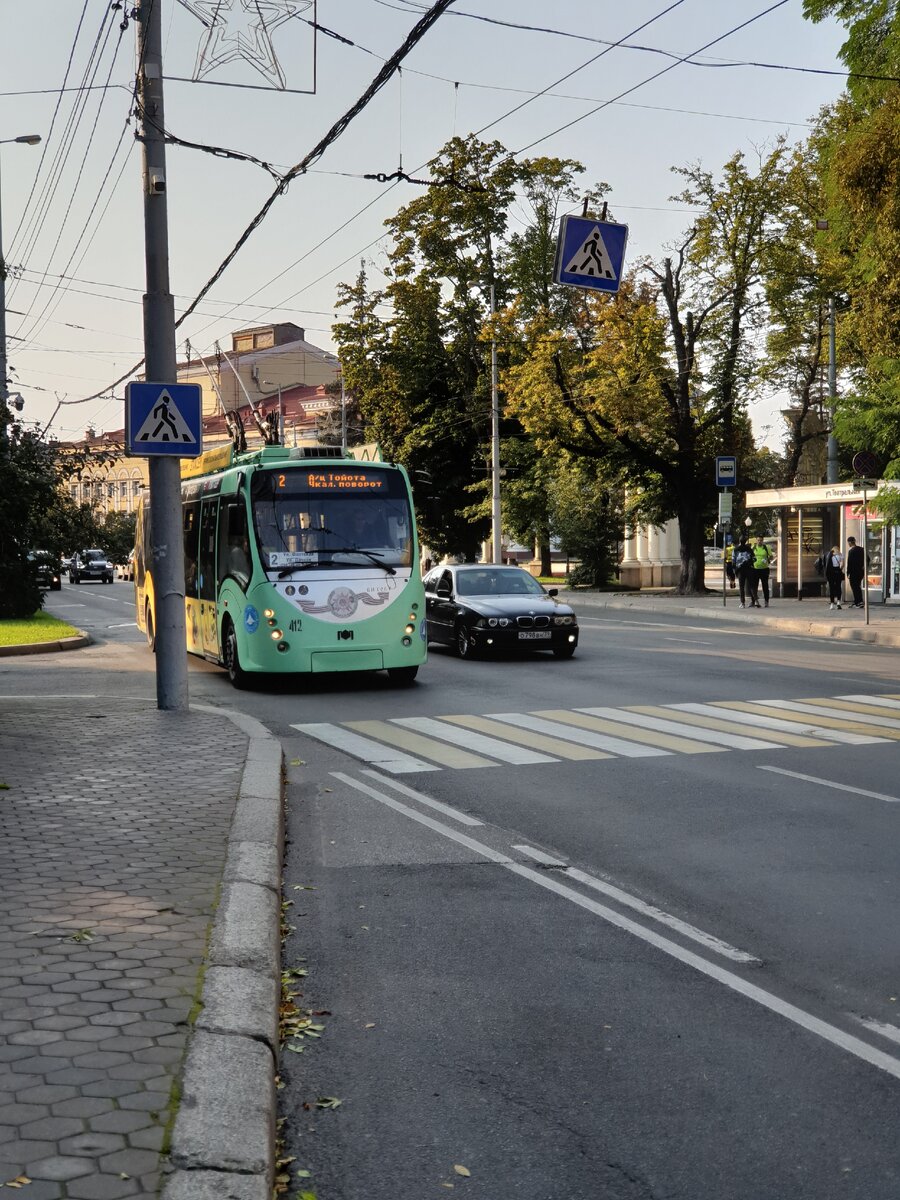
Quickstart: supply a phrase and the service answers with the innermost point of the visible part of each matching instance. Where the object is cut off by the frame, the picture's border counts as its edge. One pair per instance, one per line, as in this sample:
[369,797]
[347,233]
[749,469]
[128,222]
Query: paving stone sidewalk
[113,834]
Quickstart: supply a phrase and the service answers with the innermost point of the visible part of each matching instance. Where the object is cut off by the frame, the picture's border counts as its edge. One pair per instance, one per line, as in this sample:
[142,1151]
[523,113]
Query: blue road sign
[590,254]
[726,471]
[163,418]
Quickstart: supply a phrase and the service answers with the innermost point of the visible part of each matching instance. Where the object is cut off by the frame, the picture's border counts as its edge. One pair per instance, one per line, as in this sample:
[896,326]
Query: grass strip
[39,628]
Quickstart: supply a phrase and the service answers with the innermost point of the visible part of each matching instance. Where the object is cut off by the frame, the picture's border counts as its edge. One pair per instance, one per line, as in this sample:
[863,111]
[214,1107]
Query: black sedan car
[481,608]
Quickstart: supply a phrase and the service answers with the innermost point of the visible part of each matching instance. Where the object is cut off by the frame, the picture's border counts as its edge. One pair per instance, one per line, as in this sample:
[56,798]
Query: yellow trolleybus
[294,564]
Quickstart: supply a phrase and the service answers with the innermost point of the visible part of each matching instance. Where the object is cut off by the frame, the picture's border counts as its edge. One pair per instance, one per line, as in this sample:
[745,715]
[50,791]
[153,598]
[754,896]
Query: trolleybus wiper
[372,555]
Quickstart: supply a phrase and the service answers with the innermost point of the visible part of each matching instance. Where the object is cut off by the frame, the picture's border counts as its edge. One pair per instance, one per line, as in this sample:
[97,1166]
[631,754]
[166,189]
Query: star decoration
[241,30]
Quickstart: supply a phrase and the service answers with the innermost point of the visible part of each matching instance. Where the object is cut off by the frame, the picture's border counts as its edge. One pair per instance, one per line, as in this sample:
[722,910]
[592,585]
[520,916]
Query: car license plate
[534,634]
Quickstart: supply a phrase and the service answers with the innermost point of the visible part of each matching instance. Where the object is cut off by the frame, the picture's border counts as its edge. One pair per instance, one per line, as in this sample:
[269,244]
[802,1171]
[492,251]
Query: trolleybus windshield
[345,517]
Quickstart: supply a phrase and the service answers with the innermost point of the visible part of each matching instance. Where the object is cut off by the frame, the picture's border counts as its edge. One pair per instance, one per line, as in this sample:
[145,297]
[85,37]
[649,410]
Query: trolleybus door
[209,631]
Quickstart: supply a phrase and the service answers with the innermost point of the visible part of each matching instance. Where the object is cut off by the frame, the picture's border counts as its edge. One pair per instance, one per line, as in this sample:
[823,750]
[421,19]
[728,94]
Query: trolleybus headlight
[276,635]
[407,641]
[269,612]
[412,615]
[410,629]
[414,606]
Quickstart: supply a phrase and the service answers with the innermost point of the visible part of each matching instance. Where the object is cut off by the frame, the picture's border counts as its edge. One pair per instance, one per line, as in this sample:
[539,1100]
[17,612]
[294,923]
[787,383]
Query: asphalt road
[625,953]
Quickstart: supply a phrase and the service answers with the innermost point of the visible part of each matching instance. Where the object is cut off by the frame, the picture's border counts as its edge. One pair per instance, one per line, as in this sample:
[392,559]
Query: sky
[72,207]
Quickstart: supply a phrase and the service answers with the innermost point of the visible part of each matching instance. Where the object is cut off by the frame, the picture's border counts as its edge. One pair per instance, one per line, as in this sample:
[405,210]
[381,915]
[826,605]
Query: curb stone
[71,643]
[809,627]
[223,1139]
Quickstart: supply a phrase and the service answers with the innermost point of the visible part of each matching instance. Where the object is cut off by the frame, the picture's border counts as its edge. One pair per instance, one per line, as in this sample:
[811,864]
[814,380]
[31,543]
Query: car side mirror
[552,591]
[444,592]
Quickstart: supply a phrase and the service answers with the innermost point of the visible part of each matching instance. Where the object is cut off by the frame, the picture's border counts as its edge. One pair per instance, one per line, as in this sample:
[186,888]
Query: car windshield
[95,555]
[349,516]
[511,581]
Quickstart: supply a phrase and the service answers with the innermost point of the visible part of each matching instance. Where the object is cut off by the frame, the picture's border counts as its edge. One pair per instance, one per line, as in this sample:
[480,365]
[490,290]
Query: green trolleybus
[294,564]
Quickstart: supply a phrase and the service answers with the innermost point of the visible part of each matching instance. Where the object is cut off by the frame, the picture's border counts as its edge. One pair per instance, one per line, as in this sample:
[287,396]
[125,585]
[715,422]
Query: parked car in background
[49,574]
[125,570]
[91,565]
[483,608]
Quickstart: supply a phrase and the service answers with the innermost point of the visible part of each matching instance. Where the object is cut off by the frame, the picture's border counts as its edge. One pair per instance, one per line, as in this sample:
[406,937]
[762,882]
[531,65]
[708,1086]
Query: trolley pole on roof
[159,353]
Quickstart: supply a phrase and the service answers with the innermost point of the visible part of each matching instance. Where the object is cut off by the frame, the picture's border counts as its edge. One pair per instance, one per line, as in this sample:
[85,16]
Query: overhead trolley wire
[650,78]
[387,71]
[65,146]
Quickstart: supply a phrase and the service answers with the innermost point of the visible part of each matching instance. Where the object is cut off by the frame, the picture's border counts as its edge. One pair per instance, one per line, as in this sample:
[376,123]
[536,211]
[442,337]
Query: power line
[665,70]
[390,67]
[64,148]
[563,78]
[688,61]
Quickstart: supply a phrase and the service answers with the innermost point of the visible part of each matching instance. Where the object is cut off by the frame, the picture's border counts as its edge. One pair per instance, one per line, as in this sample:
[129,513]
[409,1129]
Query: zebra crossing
[407,745]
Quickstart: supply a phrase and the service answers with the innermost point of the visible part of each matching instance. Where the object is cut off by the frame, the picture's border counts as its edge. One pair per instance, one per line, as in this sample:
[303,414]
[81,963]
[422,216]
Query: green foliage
[28,482]
[116,535]
[587,521]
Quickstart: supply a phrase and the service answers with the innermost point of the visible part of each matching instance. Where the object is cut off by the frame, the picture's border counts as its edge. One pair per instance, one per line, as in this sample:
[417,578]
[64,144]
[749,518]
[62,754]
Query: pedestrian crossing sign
[590,254]
[163,418]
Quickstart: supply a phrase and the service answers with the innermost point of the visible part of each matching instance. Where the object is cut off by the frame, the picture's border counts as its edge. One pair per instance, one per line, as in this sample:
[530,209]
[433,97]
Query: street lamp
[29,139]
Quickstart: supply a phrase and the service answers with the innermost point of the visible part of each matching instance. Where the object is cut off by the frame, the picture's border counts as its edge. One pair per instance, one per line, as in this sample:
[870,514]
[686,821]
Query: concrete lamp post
[28,139]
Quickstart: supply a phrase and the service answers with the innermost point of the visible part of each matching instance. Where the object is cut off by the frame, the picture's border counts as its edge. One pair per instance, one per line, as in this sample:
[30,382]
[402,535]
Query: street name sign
[590,254]
[163,418]
[726,471]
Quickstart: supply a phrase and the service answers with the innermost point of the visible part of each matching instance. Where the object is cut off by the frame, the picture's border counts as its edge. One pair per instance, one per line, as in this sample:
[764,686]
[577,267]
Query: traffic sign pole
[166,543]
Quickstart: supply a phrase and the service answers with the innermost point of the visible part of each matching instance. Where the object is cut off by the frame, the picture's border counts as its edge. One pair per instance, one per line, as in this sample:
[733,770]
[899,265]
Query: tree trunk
[690,529]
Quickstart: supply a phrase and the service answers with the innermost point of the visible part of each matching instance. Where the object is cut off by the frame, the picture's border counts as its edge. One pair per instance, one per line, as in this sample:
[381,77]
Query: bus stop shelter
[818,516]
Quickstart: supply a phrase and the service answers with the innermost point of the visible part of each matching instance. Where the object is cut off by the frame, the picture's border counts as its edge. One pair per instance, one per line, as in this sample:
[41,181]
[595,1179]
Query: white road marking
[454,814]
[582,737]
[850,714]
[69,606]
[888,1031]
[360,747]
[126,625]
[470,740]
[55,696]
[878,701]
[797,1016]
[764,721]
[841,787]
[649,721]
[648,910]
[834,718]
[690,641]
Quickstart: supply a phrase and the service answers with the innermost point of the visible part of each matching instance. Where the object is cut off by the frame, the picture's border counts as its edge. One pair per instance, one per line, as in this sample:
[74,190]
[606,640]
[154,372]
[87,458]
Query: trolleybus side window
[191,528]
[207,559]
[234,544]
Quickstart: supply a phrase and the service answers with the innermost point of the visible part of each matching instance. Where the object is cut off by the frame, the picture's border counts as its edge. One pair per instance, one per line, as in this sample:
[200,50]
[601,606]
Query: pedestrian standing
[834,573]
[856,569]
[743,559]
[762,560]
[729,563]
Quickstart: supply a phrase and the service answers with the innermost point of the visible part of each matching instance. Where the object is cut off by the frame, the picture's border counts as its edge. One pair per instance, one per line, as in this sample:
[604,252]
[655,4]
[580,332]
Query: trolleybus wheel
[402,676]
[236,672]
[151,632]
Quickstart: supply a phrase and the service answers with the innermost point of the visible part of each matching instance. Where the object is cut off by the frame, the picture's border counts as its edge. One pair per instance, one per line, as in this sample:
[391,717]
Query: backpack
[741,558]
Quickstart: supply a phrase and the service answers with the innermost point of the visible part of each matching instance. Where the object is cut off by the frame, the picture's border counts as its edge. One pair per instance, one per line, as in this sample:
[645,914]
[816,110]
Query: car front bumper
[511,638]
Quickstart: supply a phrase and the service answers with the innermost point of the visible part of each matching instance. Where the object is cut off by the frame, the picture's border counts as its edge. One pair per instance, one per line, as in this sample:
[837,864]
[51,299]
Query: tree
[657,382]
[586,519]
[28,486]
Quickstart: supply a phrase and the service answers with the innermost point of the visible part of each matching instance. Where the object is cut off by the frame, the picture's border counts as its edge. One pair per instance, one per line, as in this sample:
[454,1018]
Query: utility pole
[495,445]
[832,465]
[159,354]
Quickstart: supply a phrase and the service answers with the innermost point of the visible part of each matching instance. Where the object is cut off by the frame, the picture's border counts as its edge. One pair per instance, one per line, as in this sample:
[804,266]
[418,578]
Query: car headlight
[492,622]
[563,620]
[503,621]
